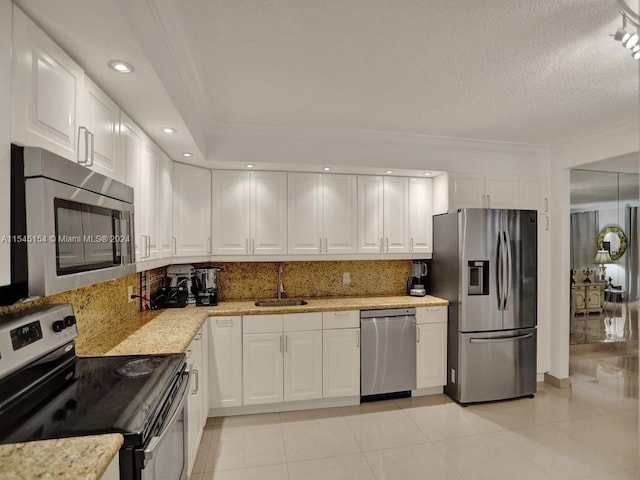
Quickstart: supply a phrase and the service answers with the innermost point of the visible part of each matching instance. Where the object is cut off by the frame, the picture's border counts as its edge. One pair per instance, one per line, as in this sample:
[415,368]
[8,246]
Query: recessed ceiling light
[326,169]
[427,173]
[120,66]
[168,130]
[249,165]
[187,154]
[389,171]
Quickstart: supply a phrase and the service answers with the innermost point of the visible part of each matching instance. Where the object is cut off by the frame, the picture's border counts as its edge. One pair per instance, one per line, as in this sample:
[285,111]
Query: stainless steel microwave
[79,223]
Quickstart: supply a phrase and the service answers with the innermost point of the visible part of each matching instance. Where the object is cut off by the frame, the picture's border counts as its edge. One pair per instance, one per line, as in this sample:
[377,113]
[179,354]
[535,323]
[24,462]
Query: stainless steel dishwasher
[388,351]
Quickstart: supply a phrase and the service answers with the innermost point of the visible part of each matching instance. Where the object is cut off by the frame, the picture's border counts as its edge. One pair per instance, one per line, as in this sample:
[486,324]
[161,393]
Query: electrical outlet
[346,278]
[130,294]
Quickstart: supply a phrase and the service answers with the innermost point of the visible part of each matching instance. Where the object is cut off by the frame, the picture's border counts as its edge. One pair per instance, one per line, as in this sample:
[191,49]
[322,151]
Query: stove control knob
[69,320]
[58,326]
[59,415]
[71,404]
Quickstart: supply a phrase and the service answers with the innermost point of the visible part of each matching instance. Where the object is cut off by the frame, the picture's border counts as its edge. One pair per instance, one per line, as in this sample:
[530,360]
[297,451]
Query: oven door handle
[153,443]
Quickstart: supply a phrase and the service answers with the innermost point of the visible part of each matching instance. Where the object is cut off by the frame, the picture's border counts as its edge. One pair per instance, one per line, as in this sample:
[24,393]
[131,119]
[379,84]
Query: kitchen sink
[290,302]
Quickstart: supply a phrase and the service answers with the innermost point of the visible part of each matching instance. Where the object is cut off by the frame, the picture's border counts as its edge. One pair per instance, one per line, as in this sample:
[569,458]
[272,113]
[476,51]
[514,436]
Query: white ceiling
[524,71]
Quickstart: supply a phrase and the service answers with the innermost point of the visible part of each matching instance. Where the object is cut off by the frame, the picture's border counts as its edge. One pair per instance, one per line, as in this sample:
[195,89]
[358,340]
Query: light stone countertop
[77,458]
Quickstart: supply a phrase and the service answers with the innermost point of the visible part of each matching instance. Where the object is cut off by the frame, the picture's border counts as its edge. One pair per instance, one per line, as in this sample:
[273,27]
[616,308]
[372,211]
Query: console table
[587,298]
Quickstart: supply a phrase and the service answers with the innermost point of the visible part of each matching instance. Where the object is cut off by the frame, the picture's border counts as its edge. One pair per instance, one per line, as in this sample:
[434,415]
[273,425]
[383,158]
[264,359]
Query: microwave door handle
[117,230]
[149,450]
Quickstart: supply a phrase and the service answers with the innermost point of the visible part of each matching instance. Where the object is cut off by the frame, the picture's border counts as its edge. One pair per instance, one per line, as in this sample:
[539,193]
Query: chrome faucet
[280,286]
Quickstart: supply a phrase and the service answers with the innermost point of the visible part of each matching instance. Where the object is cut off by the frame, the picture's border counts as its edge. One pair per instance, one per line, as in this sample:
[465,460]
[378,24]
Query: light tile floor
[589,432]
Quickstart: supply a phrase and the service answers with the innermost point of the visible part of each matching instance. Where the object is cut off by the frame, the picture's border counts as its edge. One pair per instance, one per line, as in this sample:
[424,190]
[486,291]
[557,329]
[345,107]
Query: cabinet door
[225,362]
[231,193]
[466,190]
[47,92]
[268,213]
[579,298]
[340,213]
[103,120]
[166,206]
[262,367]
[420,215]
[341,362]
[305,213]
[130,140]
[501,191]
[396,215]
[302,365]
[191,210]
[534,194]
[431,355]
[370,214]
[149,199]
[194,400]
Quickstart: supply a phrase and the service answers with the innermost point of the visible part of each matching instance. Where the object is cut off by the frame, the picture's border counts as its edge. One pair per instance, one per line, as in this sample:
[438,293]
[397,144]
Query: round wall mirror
[613,240]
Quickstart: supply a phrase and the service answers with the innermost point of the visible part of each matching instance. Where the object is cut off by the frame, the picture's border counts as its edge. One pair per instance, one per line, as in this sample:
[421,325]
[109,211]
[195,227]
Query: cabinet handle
[286,343]
[174,246]
[381,245]
[546,205]
[341,314]
[411,244]
[80,129]
[209,245]
[418,334]
[326,245]
[91,137]
[198,336]
[281,342]
[547,223]
[197,376]
[358,339]
[488,201]
[224,322]
[189,352]
[246,245]
[148,246]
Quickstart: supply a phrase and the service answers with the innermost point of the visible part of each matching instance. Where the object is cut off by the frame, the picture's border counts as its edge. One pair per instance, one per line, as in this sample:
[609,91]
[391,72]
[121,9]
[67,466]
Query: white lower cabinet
[431,349]
[196,397]
[113,470]
[225,362]
[282,358]
[302,365]
[341,362]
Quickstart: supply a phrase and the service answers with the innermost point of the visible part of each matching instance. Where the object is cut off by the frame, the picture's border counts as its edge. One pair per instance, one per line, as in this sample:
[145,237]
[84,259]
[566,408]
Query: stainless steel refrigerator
[485,264]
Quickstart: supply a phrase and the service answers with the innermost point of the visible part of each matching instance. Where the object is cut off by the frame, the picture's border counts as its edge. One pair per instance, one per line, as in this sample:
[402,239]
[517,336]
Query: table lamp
[602,257]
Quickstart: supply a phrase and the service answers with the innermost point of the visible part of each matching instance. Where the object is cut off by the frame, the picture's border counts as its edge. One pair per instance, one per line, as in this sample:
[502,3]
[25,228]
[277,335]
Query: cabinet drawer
[262,323]
[431,315]
[298,322]
[343,319]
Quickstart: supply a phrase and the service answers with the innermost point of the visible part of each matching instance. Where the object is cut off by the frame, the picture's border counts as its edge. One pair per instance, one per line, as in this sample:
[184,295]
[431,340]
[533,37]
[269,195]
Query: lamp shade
[602,256]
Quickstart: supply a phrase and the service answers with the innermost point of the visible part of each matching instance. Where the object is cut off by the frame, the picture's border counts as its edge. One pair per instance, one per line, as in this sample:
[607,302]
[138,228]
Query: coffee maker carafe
[418,282]
[205,286]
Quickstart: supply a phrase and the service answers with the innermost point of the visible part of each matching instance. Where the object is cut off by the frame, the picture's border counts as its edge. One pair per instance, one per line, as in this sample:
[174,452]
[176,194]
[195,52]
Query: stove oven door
[165,455]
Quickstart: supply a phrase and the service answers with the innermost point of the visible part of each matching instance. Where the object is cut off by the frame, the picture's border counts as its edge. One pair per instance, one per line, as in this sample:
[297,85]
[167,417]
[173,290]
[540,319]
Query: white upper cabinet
[420,212]
[47,93]
[383,214]
[103,122]
[165,206]
[191,210]
[534,194]
[474,190]
[249,213]
[322,213]
[5,138]
[149,210]
[268,213]
[130,141]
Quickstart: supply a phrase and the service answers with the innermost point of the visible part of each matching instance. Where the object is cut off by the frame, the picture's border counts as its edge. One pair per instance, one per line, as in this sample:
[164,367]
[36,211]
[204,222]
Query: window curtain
[584,237]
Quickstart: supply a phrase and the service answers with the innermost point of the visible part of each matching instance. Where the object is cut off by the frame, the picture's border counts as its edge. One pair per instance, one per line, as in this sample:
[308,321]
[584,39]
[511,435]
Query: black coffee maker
[418,282]
[205,286]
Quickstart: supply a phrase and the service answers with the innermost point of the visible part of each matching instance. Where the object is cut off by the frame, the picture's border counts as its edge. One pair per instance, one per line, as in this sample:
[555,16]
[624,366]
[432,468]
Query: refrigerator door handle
[500,271]
[507,240]
[500,339]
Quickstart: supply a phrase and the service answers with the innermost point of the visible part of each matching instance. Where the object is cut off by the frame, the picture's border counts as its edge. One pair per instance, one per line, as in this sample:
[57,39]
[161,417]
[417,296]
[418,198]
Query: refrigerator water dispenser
[478,276]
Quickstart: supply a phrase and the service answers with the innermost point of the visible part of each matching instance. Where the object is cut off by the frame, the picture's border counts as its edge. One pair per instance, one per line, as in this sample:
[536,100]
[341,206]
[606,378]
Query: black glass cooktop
[91,395]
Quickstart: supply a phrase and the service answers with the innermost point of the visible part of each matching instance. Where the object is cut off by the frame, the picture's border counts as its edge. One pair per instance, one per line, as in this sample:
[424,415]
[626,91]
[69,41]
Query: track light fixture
[628,39]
